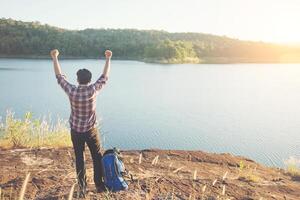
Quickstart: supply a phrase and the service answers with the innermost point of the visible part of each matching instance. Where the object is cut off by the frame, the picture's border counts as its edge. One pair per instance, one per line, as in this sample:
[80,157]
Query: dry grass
[293,167]
[29,132]
[248,174]
[183,184]
[250,178]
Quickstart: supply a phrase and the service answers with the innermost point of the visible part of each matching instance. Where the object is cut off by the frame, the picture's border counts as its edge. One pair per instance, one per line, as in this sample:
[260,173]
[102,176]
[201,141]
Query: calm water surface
[245,109]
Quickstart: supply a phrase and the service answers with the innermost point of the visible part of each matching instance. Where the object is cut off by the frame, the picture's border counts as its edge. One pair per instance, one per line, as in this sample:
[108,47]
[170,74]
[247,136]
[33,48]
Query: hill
[33,39]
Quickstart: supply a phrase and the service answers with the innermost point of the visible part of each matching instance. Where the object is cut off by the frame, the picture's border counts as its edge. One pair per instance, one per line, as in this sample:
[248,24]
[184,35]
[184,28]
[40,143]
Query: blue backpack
[113,171]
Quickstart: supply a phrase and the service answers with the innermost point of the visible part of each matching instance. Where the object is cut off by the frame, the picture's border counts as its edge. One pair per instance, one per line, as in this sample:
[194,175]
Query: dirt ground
[158,174]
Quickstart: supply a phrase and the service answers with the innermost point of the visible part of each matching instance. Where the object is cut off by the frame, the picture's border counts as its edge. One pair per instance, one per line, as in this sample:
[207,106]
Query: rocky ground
[158,174]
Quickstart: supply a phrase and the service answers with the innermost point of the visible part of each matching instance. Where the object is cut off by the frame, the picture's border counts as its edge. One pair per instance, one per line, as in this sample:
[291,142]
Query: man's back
[83,103]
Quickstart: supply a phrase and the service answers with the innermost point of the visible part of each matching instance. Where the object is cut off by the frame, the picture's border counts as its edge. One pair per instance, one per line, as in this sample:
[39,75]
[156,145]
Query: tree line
[27,39]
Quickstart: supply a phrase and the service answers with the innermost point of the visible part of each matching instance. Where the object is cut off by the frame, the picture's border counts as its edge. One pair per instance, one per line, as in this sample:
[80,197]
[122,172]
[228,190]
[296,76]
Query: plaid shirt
[83,102]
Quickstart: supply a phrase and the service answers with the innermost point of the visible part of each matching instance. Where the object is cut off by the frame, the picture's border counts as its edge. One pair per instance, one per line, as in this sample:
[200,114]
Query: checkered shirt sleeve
[100,83]
[65,85]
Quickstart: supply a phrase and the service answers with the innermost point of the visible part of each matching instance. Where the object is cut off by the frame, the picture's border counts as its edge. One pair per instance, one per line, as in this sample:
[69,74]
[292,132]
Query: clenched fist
[108,54]
[54,53]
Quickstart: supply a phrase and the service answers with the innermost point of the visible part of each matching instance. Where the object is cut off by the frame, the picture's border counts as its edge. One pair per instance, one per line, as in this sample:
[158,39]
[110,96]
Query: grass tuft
[30,132]
[293,167]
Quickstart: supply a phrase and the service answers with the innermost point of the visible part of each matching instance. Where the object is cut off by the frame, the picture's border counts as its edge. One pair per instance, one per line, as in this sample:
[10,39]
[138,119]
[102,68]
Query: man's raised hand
[108,54]
[106,69]
[54,53]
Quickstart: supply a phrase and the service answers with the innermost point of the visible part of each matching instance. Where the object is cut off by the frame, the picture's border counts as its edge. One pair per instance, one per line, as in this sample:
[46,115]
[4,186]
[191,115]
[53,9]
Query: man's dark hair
[84,76]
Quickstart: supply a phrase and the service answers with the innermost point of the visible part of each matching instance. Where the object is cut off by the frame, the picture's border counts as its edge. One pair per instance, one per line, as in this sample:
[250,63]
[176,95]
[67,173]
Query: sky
[259,20]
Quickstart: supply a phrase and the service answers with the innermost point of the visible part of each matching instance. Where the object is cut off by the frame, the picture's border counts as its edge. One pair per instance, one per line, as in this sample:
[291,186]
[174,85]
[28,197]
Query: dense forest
[32,39]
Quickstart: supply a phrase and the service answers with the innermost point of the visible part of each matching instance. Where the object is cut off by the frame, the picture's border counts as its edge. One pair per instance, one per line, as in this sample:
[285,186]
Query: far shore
[204,60]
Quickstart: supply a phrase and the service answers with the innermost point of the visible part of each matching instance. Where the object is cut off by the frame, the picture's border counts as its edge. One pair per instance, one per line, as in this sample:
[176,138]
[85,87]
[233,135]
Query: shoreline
[204,60]
[158,174]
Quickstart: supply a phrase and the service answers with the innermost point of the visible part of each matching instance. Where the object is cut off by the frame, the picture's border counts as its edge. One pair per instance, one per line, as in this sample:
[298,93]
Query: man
[83,118]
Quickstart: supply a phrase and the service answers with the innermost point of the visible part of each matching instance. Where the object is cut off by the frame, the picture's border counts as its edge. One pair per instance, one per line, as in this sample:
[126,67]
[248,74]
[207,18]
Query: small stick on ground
[140,158]
[141,170]
[21,197]
[176,170]
[195,175]
[214,182]
[223,191]
[155,160]
[170,165]
[203,188]
[71,192]
[10,192]
[225,175]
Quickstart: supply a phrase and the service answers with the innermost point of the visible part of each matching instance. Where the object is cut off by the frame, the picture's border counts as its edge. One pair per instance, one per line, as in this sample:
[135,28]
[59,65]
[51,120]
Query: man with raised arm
[83,118]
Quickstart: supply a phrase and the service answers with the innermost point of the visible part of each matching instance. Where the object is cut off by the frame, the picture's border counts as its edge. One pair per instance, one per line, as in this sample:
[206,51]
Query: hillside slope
[33,39]
[161,174]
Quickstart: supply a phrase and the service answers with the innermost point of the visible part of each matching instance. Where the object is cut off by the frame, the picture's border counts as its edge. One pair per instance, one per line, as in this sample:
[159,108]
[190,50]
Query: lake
[245,109]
